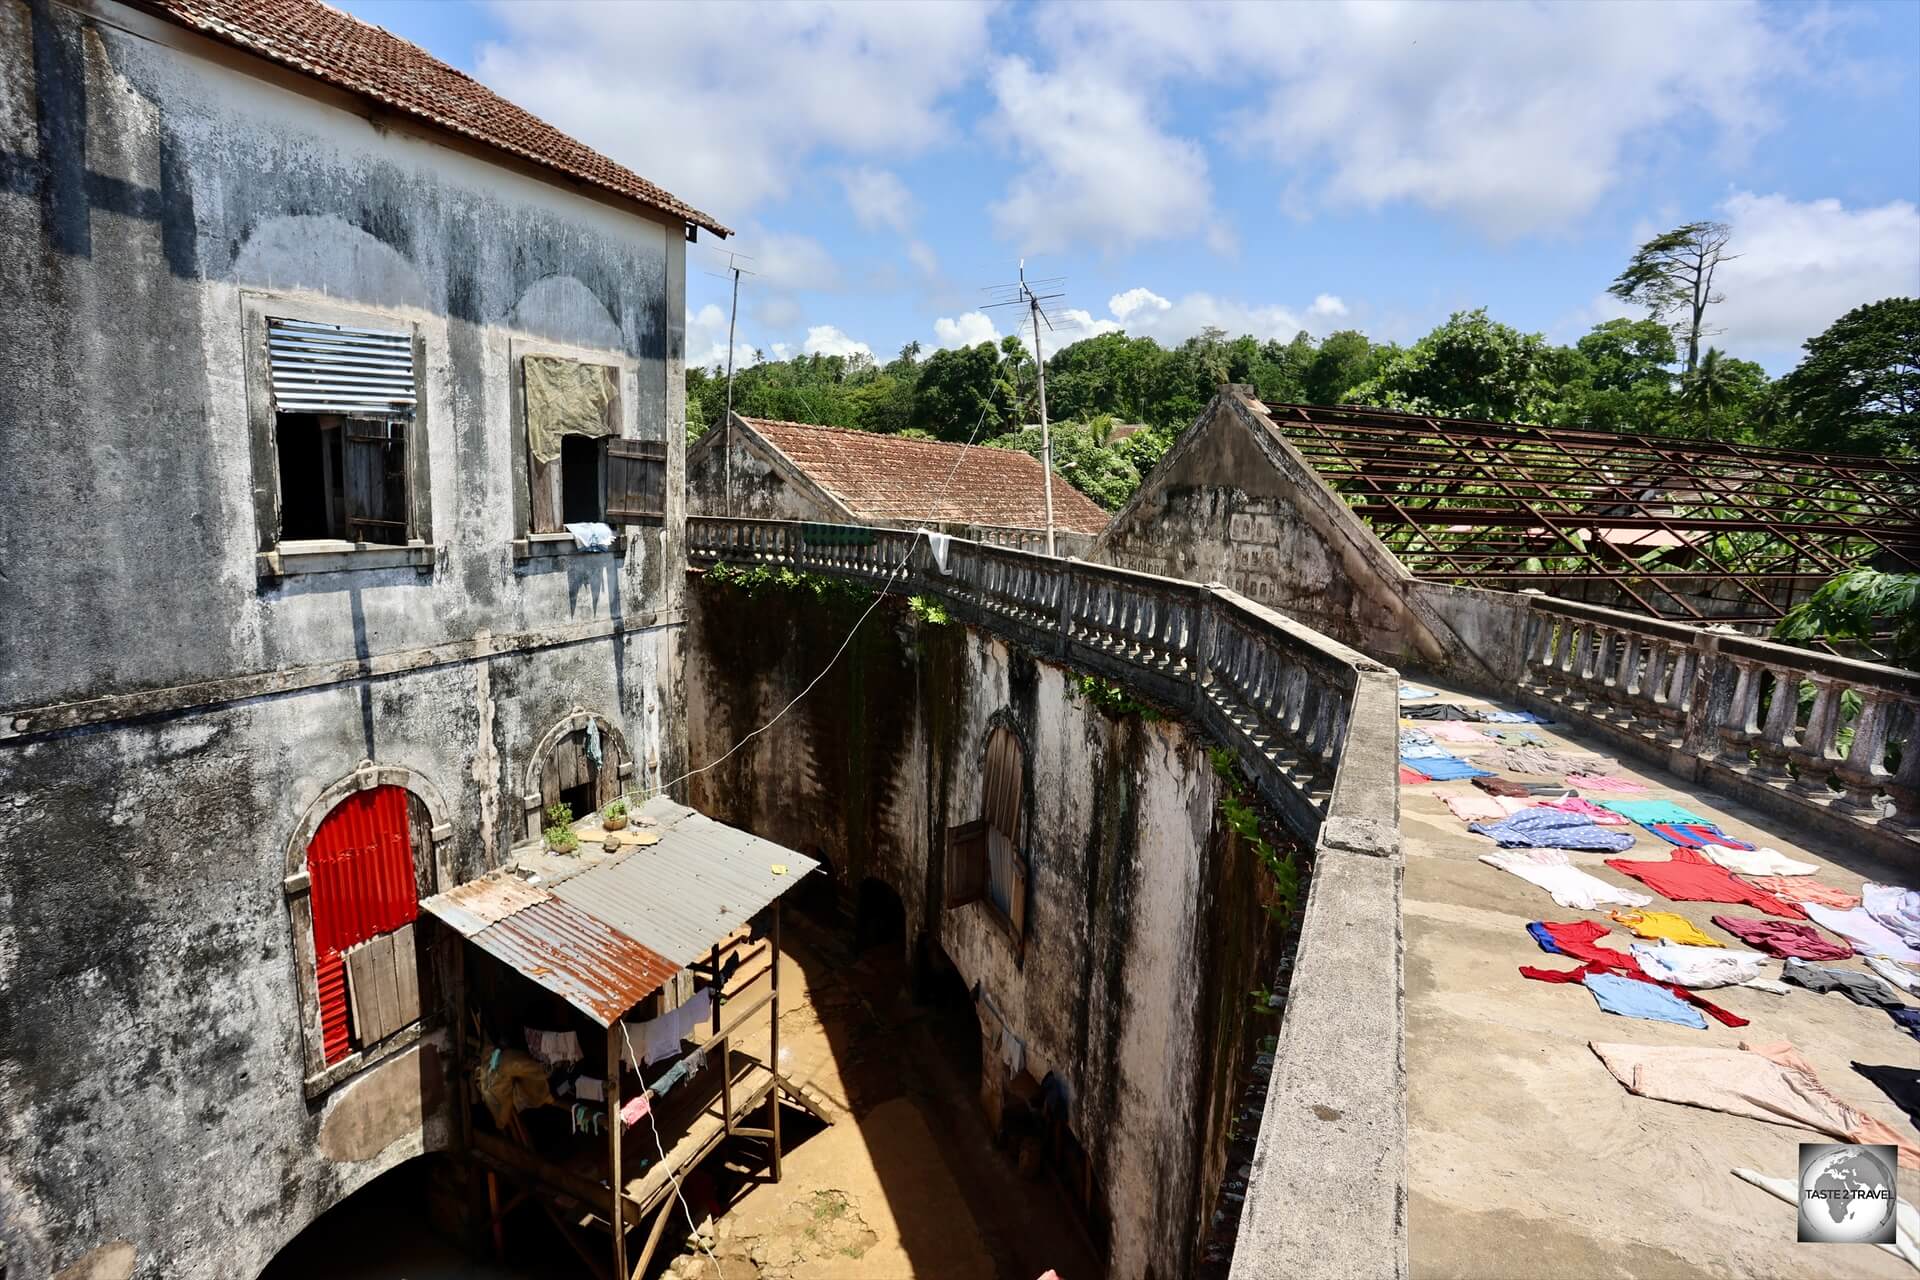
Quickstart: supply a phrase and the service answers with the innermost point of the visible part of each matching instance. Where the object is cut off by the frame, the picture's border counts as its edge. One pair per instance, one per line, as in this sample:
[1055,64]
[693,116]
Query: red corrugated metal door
[360,867]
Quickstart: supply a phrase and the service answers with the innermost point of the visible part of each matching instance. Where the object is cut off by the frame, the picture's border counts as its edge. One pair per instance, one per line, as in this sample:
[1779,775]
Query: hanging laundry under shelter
[606,933]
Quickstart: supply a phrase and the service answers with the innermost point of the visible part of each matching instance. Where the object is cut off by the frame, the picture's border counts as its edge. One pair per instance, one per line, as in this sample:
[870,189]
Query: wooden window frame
[275,557]
[528,545]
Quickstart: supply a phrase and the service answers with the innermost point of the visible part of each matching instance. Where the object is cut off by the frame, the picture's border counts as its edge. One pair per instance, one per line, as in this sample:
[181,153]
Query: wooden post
[618,1217]
[773,1046]
[463,1078]
[715,989]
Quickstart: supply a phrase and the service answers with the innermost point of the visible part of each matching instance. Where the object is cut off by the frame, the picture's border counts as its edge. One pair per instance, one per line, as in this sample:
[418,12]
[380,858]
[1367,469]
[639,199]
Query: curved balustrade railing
[1818,730]
[1282,696]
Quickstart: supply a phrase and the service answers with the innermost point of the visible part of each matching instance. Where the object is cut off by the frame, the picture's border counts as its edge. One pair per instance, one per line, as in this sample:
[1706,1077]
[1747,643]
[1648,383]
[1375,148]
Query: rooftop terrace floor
[1525,1157]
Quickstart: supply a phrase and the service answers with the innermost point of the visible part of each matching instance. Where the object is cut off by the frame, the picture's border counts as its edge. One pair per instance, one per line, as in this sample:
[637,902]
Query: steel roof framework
[1506,505]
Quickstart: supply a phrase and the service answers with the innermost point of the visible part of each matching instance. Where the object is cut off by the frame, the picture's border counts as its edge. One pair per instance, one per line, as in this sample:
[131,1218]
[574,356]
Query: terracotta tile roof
[883,477]
[321,41]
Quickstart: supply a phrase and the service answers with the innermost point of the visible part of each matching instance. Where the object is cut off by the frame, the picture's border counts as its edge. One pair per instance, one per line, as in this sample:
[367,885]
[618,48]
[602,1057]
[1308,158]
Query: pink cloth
[1454,731]
[1587,808]
[1764,1081]
[1476,807]
[635,1111]
[1594,782]
[1801,889]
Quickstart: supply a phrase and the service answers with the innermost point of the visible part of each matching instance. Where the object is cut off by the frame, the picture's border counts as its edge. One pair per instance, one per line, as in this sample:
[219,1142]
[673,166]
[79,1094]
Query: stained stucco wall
[1145,929]
[1233,503]
[150,1044]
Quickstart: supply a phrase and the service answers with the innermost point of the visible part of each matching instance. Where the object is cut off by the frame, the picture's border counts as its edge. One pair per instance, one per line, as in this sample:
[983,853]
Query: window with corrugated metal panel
[344,401]
[364,887]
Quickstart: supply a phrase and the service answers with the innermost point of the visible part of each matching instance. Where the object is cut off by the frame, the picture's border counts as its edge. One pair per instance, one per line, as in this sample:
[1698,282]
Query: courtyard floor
[1525,1157]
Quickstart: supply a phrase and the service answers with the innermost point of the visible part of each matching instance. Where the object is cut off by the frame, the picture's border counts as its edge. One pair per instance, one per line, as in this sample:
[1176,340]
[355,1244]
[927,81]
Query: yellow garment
[567,398]
[1664,924]
[509,1082]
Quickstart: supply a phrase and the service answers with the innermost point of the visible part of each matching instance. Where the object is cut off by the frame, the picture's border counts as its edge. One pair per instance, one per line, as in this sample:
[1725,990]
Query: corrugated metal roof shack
[598,1007]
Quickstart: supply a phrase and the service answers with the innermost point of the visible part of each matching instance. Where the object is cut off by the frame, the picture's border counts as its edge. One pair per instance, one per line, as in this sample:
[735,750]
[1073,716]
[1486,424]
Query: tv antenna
[733,314]
[1027,293]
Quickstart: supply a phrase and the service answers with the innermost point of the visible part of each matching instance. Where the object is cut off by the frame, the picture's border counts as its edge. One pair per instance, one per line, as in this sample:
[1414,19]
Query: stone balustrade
[1804,733]
[1281,695]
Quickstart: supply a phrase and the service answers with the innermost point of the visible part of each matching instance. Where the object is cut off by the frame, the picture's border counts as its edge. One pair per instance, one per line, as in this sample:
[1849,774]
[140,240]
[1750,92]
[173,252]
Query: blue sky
[1261,168]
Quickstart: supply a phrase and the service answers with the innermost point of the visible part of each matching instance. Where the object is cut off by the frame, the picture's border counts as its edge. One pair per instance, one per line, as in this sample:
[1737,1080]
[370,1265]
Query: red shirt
[1688,877]
[1579,939]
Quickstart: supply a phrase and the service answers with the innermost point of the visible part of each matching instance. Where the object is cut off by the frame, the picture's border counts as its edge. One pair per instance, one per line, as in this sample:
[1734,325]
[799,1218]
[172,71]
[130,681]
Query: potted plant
[559,833]
[614,816]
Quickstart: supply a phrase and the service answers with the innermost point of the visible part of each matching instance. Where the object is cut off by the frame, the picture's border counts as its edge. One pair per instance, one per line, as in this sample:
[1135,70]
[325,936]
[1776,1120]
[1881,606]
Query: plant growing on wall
[761,577]
[1237,807]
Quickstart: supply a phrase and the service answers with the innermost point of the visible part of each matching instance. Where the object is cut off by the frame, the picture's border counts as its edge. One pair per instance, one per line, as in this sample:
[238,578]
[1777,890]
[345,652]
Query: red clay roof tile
[883,477]
[321,41]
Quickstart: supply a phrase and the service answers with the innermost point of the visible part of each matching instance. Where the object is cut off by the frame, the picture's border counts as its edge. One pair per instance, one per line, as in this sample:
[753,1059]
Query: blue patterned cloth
[1513,717]
[1553,829]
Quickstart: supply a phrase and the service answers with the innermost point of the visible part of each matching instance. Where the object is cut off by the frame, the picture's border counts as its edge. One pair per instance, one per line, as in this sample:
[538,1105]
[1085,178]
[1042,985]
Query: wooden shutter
[1017,899]
[383,985]
[966,864]
[375,481]
[636,481]
[1005,778]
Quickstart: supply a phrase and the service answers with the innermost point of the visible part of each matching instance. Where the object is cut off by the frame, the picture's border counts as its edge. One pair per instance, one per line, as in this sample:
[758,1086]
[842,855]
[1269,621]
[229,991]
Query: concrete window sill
[328,555]
[559,546]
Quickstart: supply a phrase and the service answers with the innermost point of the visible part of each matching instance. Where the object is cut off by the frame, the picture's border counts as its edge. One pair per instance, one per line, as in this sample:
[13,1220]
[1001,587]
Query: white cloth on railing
[591,535]
[939,544]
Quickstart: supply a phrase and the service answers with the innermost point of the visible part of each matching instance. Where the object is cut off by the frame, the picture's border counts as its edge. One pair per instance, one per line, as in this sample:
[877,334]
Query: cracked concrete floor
[1525,1157]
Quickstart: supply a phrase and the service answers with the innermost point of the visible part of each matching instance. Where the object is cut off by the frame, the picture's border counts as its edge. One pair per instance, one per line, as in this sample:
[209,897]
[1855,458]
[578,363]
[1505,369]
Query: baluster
[1863,771]
[1776,735]
[1812,752]
[1742,724]
[1903,788]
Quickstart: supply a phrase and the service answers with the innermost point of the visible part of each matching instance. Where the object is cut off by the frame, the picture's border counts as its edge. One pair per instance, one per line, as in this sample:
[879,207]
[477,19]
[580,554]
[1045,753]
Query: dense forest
[1857,388]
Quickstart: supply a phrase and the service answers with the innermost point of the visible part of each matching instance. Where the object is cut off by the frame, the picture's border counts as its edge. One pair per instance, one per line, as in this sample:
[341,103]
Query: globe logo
[1847,1193]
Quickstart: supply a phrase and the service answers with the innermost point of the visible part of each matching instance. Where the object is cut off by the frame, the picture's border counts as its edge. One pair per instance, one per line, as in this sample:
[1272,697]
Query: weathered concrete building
[765,469]
[281,558]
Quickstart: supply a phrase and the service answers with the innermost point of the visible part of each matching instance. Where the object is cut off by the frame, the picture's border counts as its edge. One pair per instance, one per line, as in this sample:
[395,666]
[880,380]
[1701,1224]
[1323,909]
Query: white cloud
[1136,301]
[967,330]
[1517,118]
[1804,264]
[785,260]
[707,340]
[1098,170]
[827,340]
[724,104]
[878,199]
[1327,305]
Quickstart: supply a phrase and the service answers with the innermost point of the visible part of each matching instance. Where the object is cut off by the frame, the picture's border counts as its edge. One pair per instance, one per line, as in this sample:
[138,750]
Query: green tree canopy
[1858,387]
[1469,367]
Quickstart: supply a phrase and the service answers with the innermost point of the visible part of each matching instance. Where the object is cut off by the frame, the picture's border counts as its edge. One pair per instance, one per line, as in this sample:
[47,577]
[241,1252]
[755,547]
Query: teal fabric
[1645,811]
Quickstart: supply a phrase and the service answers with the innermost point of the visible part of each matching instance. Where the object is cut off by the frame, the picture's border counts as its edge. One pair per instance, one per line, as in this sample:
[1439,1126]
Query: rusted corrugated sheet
[607,937]
[473,906]
[587,962]
[681,896]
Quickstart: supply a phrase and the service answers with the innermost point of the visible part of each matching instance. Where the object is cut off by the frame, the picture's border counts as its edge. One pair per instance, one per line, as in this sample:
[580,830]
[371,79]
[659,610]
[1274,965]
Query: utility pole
[1046,432]
[1023,294]
[733,314]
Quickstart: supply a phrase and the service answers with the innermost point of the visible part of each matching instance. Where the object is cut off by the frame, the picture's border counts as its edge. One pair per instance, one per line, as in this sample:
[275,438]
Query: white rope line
[880,595]
[692,1226]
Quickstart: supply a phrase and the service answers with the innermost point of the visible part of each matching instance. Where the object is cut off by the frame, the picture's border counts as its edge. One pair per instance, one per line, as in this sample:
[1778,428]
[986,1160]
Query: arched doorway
[581,762]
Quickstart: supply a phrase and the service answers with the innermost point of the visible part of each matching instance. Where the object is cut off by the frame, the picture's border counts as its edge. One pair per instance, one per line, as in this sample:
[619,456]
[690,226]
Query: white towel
[938,543]
[588,1089]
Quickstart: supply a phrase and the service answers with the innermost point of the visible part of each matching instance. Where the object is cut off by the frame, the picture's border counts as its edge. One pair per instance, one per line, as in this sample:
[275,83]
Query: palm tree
[1706,388]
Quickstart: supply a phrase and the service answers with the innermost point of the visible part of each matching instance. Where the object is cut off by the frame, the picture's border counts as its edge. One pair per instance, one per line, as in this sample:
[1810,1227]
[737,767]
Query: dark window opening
[583,489]
[342,477]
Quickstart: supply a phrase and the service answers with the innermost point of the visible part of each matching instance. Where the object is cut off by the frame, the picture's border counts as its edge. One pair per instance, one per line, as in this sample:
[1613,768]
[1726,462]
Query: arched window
[986,859]
[365,895]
